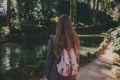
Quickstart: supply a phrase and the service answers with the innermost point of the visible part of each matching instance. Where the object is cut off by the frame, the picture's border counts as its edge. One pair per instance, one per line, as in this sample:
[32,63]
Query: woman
[65,37]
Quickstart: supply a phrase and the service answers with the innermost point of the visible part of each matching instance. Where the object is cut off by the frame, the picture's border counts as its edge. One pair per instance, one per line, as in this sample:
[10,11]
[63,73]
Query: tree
[93,6]
[63,7]
[101,6]
[8,13]
[73,9]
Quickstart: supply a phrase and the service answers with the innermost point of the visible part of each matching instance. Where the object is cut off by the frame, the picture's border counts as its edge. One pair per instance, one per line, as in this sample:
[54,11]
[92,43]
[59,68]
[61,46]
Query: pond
[32,52]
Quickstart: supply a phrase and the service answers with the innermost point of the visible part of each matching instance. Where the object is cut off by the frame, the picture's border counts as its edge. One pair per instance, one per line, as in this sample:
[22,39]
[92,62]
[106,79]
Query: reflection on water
[20,54]
[89,44]
[84,50]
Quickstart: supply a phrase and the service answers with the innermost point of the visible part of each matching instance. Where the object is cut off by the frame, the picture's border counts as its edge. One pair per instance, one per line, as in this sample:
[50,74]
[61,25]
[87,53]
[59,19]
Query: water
[89,44]
[20,54]
[23,53]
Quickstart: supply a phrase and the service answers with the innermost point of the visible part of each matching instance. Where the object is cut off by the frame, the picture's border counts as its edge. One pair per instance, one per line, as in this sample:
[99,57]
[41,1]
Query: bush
[116,49]
[119,19]
[103,18]
[116,43]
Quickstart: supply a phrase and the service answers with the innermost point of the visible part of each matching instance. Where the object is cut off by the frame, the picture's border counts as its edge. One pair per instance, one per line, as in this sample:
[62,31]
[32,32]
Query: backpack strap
[70,55]
[67,60]
[74,61]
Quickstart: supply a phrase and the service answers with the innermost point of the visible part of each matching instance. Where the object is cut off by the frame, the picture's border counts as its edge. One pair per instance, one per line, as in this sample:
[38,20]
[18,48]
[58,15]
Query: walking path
[100,68]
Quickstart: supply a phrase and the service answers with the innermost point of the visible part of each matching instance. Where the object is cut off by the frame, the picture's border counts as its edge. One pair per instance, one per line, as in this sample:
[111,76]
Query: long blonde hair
[65,36]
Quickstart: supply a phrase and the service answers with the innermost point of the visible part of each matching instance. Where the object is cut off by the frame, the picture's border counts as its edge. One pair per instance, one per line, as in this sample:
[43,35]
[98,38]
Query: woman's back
[65,38]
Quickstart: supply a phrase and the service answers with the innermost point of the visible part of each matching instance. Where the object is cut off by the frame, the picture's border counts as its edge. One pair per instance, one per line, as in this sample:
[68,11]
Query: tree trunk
[97,7]
[19,10]
[8,12]
[89,4]
[43,12]
[27,12]
[73,10]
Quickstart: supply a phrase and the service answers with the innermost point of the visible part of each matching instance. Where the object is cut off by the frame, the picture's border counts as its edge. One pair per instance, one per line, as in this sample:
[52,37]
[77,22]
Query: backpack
[68,65]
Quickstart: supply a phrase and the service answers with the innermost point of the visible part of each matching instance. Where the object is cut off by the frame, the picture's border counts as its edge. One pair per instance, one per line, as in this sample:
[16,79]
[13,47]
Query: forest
[25,27]
[27,17]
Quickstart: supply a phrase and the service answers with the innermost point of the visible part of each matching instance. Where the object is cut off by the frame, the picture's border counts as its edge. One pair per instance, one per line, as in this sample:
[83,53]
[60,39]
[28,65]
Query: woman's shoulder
[51,37]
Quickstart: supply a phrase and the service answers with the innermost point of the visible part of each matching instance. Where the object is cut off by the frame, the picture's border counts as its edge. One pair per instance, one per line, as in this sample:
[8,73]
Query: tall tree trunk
[19,8]
[20,11]
[97,6]
[43,12]
[8,12]
[94,4]
[27,12]
[89,4]
[93,13]
[73,9]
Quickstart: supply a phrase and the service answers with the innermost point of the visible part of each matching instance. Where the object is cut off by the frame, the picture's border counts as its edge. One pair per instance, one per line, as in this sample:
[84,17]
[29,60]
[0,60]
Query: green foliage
[31,14]
[118,73]
[119,19]
[103,18]
[116,65]
[1,1]
[116,43]
[63,6]
[83,14]
[105,35]
[116,49]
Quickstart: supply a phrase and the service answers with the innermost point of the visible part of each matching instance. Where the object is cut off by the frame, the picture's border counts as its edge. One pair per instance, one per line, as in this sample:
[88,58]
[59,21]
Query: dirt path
[100,68]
